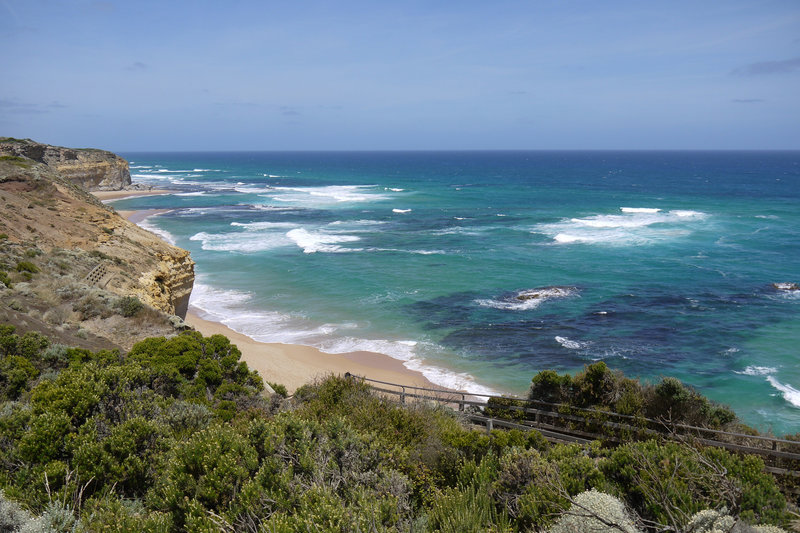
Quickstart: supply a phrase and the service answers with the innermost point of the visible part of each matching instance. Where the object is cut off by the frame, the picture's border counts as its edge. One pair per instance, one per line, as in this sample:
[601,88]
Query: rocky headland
[92,169]
[72,265]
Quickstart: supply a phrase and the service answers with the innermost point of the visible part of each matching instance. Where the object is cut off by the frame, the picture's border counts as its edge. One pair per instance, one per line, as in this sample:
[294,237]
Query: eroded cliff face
[94,170]
[86,255]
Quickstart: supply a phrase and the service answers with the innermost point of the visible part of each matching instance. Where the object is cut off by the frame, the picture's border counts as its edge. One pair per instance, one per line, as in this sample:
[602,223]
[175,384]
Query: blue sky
[371,75]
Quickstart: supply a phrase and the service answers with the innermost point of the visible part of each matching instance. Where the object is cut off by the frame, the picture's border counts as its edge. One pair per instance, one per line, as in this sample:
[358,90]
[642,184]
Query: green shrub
[16,160]
[279,389]
[207,469]
[129,306]
[15,374]
[674,401]
[548,386]
[667,483]
[123,515]
[4,279]
[27,266]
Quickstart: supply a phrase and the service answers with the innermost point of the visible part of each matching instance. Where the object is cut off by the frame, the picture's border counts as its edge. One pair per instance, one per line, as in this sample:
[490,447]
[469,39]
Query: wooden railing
[560,423]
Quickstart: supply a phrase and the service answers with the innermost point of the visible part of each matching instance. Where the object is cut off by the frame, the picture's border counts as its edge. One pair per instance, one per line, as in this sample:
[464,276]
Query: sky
[404,75]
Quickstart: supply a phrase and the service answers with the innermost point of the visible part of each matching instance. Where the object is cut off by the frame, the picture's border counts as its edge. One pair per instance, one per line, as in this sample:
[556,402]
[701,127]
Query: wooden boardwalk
[559,423]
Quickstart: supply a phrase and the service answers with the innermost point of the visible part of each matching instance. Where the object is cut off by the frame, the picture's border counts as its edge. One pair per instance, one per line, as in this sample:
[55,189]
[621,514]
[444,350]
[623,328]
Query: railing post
[461,403]
[489,426]
[403,396]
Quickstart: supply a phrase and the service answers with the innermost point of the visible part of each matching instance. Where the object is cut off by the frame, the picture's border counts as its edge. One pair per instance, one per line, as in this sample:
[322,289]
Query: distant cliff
[87,258]
[94,170]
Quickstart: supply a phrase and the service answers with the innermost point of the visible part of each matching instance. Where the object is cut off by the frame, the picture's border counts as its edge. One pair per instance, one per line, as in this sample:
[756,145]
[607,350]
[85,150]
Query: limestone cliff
[94,170]
[87,256]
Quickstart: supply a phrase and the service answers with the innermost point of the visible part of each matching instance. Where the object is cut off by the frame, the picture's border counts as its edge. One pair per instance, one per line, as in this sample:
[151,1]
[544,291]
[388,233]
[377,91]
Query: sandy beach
[288,364]
[105,196]
[293,365]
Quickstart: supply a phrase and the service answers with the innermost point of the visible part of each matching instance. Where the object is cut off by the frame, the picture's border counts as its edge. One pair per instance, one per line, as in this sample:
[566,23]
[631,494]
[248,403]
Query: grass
[16,160]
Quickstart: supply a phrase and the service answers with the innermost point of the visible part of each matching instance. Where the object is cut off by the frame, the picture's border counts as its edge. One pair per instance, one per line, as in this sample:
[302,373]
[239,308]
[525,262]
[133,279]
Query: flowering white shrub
[12,516]
[595,512]
[711,521]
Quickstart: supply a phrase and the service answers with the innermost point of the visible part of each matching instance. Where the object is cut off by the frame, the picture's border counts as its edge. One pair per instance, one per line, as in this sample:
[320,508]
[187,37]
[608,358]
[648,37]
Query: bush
[207,469]
[674,401]
[667,483]
[548,386]
[12,516]
[129,306]
[597,512]
[27,266]
[4,279]
[279,389]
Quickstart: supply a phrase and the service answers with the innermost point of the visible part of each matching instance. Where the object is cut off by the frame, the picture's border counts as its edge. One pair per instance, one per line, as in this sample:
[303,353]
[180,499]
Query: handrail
[773,452]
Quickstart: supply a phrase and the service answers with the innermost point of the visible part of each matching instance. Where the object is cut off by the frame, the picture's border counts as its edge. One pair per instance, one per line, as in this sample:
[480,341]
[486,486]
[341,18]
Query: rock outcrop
[89,259]
[94,170]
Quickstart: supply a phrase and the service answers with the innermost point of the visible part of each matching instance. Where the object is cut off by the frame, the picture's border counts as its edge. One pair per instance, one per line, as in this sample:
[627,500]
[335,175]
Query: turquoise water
[659,263]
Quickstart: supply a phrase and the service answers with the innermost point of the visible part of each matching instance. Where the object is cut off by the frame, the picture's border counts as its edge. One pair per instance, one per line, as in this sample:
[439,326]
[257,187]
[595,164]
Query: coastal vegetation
[177,435]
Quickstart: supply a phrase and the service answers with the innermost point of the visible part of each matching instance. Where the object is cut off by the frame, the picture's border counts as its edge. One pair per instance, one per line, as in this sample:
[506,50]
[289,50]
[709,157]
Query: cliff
[88,258]
[94,170]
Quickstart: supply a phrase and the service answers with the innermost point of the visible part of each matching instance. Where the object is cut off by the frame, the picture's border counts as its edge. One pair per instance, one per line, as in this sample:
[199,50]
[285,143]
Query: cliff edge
[92,169]
[73,262]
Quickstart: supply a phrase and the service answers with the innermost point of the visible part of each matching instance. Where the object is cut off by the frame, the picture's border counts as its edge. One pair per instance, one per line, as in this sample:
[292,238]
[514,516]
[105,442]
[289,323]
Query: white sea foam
[244,241]
[639,209]
[149,176]
[401,210]
[218,302]
[528,299]
[790,394]
[393,189]
[754,370]
[148,224]
[636,225]
[569,343]
[252,190]
[460,230]
[312,242]
[326,196]
[267,207]
[259,226]
[197,193]
[687,214]
[358,223]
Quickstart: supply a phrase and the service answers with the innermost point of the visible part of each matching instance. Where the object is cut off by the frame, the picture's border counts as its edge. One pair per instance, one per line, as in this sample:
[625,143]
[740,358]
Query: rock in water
[545,292]
[788,286]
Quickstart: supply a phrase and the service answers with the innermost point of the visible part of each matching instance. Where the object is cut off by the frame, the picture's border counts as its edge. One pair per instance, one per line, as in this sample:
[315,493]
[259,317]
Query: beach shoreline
[291,365]
[107,196]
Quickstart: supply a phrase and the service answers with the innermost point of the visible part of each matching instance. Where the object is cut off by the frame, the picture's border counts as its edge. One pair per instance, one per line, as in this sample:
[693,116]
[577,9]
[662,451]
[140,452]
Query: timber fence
[562,423]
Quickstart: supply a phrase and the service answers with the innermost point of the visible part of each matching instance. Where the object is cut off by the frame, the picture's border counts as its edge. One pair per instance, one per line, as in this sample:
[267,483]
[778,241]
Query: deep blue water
[659,263]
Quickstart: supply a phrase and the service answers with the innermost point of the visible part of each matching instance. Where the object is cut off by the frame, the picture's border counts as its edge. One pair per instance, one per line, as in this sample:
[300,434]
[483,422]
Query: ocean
[481,269]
